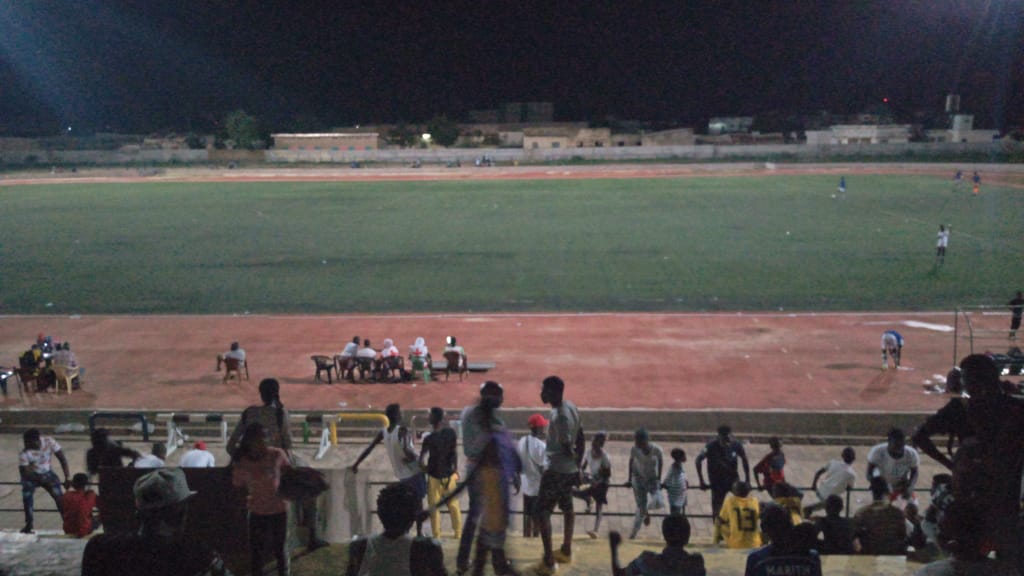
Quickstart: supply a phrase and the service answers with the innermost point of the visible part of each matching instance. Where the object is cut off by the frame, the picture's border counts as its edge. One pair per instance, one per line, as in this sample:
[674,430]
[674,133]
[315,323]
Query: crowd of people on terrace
[972,521]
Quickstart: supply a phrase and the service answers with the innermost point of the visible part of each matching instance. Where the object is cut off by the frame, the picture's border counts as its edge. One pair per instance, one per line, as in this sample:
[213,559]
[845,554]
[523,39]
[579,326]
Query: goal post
[982,328]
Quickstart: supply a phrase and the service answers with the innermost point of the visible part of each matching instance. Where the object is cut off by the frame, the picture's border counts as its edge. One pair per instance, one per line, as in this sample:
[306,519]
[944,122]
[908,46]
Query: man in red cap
[531,453]
[197,457]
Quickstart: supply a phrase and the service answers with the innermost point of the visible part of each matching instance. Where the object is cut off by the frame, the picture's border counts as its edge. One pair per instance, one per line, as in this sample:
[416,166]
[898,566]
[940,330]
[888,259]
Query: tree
[244,130]
[443,131]
[402,135]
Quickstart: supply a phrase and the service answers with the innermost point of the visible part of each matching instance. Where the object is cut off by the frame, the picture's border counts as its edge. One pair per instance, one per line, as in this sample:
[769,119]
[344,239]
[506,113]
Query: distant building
[842,134]
[729,124]
[675,137]
[331,141]
[962,131]
[566,137]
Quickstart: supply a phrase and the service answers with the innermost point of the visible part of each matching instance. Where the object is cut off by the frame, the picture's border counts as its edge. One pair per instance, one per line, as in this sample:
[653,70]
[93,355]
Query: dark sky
[147,65]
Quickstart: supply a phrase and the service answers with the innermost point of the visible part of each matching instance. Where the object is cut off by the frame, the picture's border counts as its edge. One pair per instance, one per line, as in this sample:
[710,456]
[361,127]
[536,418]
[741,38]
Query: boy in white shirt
[531,450]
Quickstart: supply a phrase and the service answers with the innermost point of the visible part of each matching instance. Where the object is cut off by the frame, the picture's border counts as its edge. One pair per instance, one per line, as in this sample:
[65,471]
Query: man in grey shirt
[564,452]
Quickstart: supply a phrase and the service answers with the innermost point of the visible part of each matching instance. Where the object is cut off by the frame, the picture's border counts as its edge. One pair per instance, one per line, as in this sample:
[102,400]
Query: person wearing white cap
[161,546]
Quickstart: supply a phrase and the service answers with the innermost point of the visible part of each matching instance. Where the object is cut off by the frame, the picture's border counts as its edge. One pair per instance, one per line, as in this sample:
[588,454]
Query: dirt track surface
[1004,174]
[817,362]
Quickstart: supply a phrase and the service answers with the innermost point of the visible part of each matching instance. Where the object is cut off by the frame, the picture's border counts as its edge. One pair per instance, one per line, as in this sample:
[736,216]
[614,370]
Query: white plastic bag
[655,500]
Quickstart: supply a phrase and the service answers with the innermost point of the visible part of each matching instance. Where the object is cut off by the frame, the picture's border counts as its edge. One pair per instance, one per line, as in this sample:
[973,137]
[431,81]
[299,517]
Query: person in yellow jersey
[739,518]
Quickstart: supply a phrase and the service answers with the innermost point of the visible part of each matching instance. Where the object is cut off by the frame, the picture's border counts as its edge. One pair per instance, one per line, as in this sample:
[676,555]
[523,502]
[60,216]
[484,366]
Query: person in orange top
[79,504]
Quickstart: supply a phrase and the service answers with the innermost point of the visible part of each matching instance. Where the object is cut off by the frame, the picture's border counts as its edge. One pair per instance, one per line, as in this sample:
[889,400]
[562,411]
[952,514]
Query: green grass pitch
[687,244]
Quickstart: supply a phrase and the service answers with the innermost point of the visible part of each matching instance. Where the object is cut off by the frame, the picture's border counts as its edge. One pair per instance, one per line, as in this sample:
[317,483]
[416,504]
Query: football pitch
[715,243]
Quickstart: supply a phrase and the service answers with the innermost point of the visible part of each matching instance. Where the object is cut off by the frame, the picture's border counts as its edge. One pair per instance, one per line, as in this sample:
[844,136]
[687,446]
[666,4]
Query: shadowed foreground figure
[674,559]
[160,547]
[394,552]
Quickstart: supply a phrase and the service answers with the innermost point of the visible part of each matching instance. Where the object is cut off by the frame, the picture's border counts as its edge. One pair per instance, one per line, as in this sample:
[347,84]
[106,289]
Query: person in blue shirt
[892,346]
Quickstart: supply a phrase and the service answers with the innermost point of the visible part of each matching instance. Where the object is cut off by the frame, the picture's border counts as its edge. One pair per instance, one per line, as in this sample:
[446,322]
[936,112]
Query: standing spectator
[836,531]
[394,552]
[565,449]
[105,453]
[258,466]
[771,467]
[597,474]
[739,518]
[236,353]
[440,459]
[839,476]
[482,426]
[160,547]
[399,445]
[675,483]
[34,467]
[896,463]
[1016,310]
[157,458]
[879,527]
[79,505]
[723,455]
[531,449]
[942,241]
[198,457]
[645,466]
[274,418]
[674,559]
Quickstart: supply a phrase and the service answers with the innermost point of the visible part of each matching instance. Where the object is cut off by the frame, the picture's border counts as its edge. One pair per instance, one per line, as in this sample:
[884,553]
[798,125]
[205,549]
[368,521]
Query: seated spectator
[79,505]
[367,358]
[941,498]
[160,547]
[880,527]
[106,453]
[785,495]
[394,551]
[348,359]
[452,346]
[391,364]
[836,530]
[739,518]
[155,459]
[674,559]
[66,359]
[198,457]
[31,361]
[915,532]
[419,352]
[236,353]
[791,550]
[963,529]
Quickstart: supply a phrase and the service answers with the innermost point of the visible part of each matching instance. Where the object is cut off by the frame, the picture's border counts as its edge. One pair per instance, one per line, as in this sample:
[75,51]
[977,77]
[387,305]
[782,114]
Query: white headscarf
[419,348]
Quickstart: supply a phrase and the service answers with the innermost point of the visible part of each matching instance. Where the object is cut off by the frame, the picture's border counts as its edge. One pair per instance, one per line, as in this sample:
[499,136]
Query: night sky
[151,65]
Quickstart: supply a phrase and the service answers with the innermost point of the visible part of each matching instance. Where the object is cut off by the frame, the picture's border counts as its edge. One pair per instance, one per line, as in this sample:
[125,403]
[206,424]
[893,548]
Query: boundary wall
[779,152]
